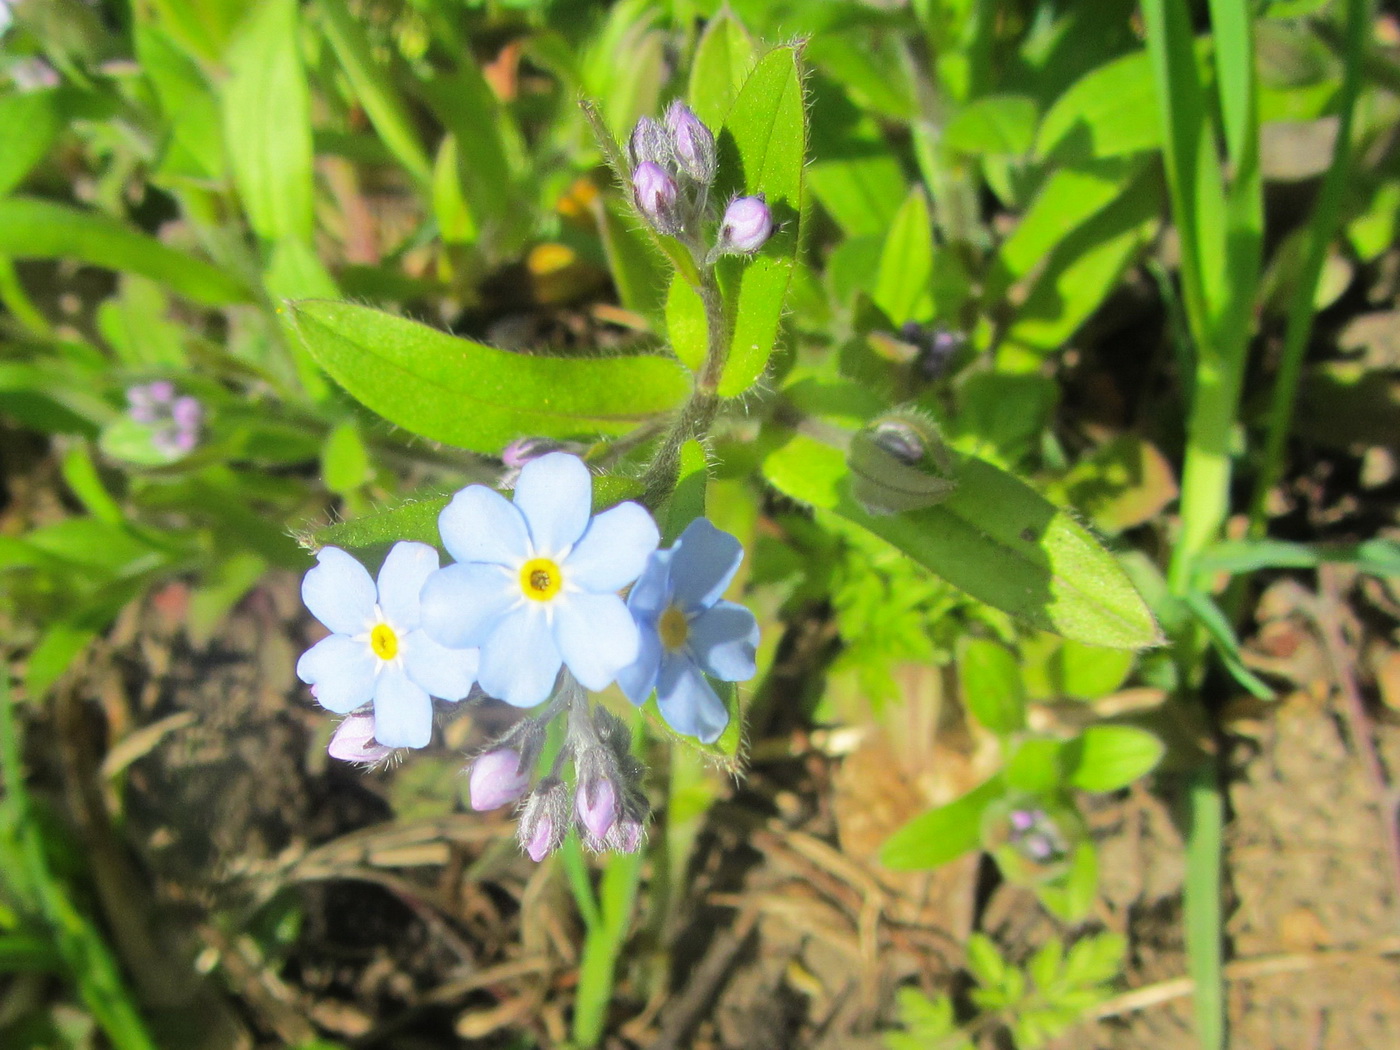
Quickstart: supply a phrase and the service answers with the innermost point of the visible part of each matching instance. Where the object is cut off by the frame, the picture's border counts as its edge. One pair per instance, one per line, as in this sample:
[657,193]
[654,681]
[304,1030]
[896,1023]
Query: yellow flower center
[384,641]
[540,579]
[673,627]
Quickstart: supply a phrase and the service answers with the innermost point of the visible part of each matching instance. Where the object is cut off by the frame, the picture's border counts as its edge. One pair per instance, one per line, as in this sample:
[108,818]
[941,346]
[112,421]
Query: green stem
[1301,308]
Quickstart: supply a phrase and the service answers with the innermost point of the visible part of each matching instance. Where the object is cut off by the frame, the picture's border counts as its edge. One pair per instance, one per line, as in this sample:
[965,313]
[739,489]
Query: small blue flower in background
[688,632]
[536,581]
[376,651]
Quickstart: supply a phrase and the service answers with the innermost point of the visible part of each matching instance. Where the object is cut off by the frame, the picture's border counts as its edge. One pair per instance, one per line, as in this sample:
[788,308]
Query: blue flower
[376,651]
[536,581]
[688,632]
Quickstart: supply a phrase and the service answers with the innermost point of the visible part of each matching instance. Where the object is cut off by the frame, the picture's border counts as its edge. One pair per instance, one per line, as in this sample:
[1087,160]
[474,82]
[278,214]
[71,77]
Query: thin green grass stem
[1301,308]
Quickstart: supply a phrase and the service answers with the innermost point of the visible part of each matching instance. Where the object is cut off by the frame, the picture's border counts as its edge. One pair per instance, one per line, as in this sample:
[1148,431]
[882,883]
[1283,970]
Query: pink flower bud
[496,779]
[353,741]
[541,842]
[693,142]
[746,227]
[597,808]
[656,192]
[626,836]
[187,413]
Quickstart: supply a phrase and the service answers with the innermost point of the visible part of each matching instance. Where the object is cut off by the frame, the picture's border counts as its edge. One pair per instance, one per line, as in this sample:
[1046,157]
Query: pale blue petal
[443,672]
[462,603]
[401,580]
[703,562]
[403,712]
[555,493]
[482,525]
[342,670]
[723,640]
[639,679]
[614,549]
[651,593]
[520,661]
[597,637]
[688,703]
[339,592]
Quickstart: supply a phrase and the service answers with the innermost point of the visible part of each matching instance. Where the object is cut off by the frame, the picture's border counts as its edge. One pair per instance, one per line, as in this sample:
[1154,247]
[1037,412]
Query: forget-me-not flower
[536,581]
[688,632]
[376,650]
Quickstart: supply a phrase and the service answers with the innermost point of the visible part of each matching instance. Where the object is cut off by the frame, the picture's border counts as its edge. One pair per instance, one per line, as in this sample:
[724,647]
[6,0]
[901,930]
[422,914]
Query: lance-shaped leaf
[473,396]
[39,229]
[762,145]
[995,538]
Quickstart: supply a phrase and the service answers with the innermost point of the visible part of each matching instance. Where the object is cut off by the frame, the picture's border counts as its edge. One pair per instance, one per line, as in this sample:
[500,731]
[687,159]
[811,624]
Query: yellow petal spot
[540,579]
[673,627]
[384,641]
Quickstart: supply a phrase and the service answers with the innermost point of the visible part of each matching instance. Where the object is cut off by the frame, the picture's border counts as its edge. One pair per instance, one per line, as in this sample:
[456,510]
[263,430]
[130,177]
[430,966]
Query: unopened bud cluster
[673,171]
[605,802]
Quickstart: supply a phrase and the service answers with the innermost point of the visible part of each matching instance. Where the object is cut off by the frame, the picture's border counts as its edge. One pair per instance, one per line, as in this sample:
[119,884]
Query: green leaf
[1036,766]
[636,266]
[473,396]
[29,124]
[1103,114]
[194,147]
[985,962]
[456,222]
[991,685]
[688,501]
[995,538]
[1377,557]
[345,462]
[1106,758]
[38,229]
[944,833]
[723,58]
[902,287]
[763,145]
[685,323]
[373,88]
[267,122]
[994,125]
[1223,639]
[1071,896]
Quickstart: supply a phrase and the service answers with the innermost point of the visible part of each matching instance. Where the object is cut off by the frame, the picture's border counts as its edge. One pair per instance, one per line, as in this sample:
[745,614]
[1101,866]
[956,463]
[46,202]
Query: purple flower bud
[596,803]
[626,836]
[649,143]
[496,779]
[693,142]
[746,227]
[187,413]
[162,390]
[655,192]
[541,843]
[353,741]
[545,819]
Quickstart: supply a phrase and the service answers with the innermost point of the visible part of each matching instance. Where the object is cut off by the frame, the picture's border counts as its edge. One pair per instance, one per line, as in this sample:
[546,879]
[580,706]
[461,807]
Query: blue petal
[401,579]
[403,712]
[723,640]
[520,661]
[639,679]
[651,593]
[444,672]
[613,550]
[342,670]
[597,637]
[688,703]
[482,525]
[703,562]
[339,592]
[555,493]
[463,603]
